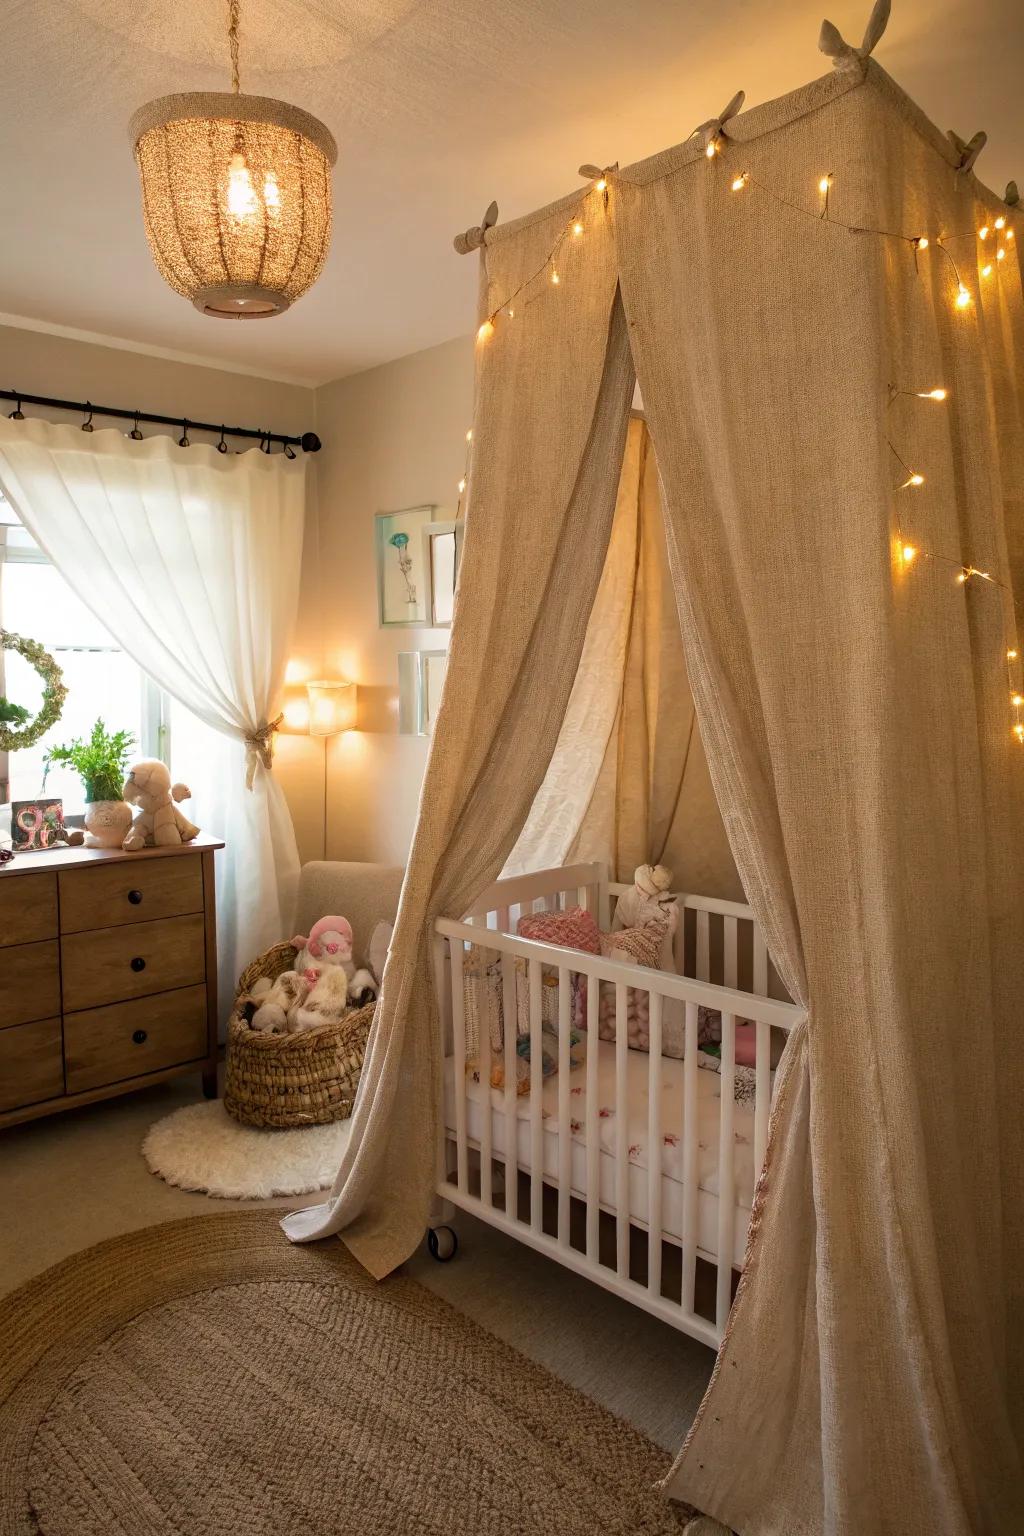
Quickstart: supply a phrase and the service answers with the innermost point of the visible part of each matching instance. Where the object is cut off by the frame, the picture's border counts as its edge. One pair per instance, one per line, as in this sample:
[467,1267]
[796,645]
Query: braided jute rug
[205,1378]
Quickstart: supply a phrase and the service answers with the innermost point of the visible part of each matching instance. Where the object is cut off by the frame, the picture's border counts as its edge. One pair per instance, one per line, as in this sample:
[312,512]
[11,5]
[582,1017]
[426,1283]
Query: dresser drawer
[28,908]
[130,891]
[113,965]
[31,1067]
[106,1045]
[29,982]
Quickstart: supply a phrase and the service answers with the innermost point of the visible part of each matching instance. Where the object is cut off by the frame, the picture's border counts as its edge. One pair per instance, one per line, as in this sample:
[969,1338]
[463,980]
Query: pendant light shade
[236,197]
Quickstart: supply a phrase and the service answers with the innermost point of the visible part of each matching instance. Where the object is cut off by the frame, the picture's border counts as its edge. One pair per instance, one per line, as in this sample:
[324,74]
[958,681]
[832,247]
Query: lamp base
[240,301]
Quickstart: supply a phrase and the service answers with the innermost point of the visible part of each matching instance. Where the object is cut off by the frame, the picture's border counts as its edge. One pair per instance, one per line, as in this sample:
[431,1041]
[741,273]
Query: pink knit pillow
[575,929]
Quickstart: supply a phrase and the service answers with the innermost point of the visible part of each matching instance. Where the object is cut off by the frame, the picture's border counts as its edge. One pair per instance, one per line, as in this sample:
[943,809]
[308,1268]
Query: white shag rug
[200,1147]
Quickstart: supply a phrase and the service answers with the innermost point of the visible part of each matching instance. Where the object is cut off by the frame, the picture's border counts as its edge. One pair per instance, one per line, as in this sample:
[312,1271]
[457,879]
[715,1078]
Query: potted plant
[101,762]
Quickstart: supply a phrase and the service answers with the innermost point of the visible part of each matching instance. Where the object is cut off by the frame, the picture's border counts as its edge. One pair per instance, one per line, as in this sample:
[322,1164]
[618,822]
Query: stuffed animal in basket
[158,822]
[329,947]
[278,999]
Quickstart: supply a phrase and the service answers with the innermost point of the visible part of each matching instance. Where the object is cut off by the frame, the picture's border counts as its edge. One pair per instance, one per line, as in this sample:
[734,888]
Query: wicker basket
[285,1081]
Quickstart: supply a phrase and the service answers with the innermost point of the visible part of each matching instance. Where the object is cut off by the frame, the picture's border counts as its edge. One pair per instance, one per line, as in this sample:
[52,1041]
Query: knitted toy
[158,822]
[647,903]
[278,999]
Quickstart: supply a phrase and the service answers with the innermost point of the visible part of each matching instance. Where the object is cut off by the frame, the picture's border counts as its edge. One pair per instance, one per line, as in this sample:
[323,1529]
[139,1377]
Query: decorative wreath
[54,692]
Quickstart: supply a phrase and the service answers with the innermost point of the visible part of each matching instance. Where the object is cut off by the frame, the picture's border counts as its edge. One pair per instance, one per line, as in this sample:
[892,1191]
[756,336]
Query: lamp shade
[236,197]
[332,707]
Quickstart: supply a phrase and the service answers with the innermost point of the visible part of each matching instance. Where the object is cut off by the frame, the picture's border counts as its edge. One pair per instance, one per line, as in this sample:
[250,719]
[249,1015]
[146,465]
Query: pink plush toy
[329,943]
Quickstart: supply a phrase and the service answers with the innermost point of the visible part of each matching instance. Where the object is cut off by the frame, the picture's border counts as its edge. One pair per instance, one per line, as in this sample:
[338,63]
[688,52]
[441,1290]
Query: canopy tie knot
[843,54]
[474,238]
[714,128]
[969,150]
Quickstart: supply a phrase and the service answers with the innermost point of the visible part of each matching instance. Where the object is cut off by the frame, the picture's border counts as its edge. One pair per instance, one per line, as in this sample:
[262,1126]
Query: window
[102,681]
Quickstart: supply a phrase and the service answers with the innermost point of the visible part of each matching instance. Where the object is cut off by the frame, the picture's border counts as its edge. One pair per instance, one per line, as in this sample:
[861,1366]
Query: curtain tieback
[260,748]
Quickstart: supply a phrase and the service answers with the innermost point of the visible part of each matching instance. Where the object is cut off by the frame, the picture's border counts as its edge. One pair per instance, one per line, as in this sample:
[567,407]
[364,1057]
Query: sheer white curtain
[191,558]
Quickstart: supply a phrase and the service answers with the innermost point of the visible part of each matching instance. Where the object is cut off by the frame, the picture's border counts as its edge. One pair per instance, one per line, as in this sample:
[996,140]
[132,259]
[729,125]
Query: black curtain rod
[308,442]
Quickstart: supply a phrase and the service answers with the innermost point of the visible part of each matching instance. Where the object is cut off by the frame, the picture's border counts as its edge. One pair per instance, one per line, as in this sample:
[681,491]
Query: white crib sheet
[637,1128]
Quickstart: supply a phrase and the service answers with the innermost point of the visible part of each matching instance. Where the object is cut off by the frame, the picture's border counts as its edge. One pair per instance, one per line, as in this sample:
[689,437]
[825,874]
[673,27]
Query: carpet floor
[203,1376]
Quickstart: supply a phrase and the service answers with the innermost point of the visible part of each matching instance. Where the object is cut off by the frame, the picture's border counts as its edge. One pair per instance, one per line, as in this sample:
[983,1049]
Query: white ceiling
[437,106]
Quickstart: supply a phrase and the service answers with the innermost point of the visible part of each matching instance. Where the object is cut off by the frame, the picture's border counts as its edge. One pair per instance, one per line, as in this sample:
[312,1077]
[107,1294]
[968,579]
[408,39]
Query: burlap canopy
[854,706]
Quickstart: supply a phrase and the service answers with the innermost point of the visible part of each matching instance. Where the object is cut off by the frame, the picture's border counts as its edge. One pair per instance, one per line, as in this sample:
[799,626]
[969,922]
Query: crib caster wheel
[443,1243]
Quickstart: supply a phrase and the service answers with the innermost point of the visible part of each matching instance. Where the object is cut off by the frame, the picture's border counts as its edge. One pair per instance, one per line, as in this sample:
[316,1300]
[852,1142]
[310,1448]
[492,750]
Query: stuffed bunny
[158,822]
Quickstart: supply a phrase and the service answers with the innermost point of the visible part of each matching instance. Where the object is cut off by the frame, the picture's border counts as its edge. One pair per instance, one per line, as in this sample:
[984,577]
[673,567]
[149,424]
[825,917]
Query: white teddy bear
[649,902]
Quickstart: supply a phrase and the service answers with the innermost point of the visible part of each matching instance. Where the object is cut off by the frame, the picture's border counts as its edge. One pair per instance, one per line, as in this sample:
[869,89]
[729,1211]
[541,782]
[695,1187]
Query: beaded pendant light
[236,195]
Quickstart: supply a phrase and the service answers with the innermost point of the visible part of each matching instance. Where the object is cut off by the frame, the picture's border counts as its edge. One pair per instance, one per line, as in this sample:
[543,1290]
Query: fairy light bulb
[1018,731]
[986,270]
[601,186]
[909,553]
[510,312]
[932,394]
[577,228]
[1009,234]
[1000,223]
[241,194]
[712,148]
[469,435]
[1011,655]
[913,479]
[739,182]
[1000,254]
[555,277]
[486,331]
[921,243]
[824,183]
[1017,699]
[462,486]
[983,232]
[963,297]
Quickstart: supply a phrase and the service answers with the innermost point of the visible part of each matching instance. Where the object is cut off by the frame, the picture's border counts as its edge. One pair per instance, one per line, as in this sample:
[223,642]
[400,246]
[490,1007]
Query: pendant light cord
[233,8]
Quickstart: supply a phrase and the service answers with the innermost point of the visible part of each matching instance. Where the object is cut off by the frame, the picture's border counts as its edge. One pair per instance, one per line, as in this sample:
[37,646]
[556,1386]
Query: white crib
[688,1191]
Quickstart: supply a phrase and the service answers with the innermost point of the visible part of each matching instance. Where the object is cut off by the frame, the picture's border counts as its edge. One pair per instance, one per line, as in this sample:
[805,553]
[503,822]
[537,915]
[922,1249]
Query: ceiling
[437,106]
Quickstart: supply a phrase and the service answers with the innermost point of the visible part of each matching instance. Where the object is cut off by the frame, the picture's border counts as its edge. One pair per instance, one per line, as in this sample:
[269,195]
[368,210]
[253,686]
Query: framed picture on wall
[417,559]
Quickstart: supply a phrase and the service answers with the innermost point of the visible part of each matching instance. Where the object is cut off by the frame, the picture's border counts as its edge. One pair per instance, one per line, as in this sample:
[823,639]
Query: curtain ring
[289,451]
[87,423]
[17,414]
[183,440]
[135,434]
[222,446]
[265,444]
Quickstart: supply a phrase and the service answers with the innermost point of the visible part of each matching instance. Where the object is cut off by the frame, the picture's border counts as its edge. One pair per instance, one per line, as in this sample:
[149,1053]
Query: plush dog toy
[648,904]
[278,999]
[158,822]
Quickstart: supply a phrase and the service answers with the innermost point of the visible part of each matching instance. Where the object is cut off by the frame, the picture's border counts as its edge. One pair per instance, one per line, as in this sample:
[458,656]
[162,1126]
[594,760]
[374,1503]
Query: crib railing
[492,923]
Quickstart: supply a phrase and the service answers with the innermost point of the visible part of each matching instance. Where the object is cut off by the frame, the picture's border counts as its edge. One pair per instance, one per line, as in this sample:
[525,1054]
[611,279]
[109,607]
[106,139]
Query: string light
[920,242]
[908,552]
[469,435]
[462,486]
[1000,254]
[1000,223]
[983,232]
[963,297]
[986,270]
[713,147]
[577,228]
[740,181]
[601,186]
[914,479]
[1017,699]
[555,277]
[932,394]
[486,331]
[1011,655]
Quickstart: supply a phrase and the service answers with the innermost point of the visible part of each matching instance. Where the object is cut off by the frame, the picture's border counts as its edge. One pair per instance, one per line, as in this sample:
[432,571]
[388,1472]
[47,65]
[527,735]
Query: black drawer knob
[139,1036]
[138,964]
[135,897]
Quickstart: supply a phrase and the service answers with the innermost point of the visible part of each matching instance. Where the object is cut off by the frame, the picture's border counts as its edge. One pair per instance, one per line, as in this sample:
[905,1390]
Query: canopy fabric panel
[552,422]
[628,783]
[854,706]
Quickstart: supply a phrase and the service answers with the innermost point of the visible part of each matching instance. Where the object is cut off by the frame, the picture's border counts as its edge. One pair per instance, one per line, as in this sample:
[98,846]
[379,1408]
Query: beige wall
[45,364]
[393,437]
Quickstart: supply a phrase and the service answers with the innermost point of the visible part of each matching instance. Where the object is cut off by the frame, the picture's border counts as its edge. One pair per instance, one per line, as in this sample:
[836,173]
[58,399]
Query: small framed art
[417,561]
[38,823]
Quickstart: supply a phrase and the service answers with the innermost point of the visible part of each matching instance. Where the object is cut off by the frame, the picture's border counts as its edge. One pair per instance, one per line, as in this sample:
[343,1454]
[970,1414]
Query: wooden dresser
[108,974]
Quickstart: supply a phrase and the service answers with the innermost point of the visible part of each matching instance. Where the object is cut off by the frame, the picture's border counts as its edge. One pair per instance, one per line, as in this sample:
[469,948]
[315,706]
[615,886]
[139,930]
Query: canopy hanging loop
[968,150]
[843,54]
[713,130]
[473,238]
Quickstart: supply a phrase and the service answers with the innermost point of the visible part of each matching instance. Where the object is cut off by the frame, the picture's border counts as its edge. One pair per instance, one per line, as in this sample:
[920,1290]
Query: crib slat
[593,1122]
[486,1118]
[703,966]
[564,1085]
[762,1094]
[726,1172]
[654,1067]
[509,1013]
[760,963]
[730,967]
[621,1134]
[536,1103]
[690,1150]
[459,1043]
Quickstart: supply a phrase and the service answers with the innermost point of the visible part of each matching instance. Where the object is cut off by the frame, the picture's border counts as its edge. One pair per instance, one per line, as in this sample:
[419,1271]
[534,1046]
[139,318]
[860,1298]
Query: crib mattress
[670,1152]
